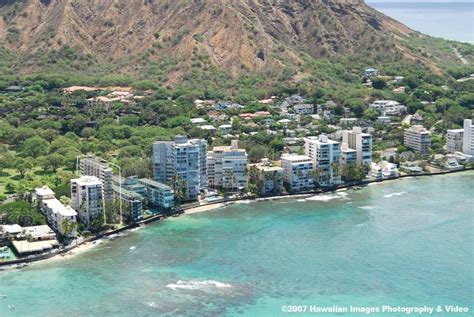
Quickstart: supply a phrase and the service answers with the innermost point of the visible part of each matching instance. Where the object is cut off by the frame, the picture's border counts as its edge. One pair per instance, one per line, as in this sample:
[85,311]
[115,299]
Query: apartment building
[87,194]
[348,155]
[132,201]
[157,195]
[227,167]
[361,143]
[468,138]
[454,140]
[418,139]
[268,176]
[95,166]
[56,213]
[324,153]
[184,160]
[297,172]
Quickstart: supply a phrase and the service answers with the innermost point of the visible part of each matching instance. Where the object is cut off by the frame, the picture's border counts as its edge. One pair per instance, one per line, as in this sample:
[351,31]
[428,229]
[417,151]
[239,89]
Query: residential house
[303,109]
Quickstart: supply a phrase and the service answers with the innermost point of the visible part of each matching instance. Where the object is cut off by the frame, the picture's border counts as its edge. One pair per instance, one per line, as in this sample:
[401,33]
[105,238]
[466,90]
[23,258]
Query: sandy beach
[200,209]
[86,246]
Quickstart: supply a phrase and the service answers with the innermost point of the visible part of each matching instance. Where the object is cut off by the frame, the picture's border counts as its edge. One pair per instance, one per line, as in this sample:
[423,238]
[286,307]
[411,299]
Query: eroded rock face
[239,36]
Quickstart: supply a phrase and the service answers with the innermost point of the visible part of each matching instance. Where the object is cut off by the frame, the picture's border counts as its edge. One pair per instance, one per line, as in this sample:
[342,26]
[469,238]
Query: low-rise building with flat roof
[158,195]
[268,176]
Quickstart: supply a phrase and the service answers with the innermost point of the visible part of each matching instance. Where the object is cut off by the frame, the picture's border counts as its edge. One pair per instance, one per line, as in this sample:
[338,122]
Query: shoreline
[92,242]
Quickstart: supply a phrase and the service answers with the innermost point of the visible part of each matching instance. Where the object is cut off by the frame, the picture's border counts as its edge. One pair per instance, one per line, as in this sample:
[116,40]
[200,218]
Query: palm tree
[229,180]
[316,175]
[68,227]
[179,186]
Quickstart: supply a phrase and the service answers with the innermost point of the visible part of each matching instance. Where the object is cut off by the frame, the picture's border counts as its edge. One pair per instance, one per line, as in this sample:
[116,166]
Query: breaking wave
[394,194]
[197,285]
[322,198]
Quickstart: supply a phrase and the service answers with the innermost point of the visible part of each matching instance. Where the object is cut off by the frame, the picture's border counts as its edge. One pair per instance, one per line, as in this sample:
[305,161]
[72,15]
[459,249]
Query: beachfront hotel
[418,139]
[56,213]
[361,142]
[297,172]
[181,160]
[269,176]
[323,153]
[227,167]
[87,194]
[95,166]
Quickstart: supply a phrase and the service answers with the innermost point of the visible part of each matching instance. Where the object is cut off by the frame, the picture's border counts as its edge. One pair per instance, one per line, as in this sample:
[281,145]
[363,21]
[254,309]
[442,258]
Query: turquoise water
[407,242]
[449,20]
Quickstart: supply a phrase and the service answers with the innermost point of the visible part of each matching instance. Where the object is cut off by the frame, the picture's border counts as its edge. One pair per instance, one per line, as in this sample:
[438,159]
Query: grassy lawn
[33,179]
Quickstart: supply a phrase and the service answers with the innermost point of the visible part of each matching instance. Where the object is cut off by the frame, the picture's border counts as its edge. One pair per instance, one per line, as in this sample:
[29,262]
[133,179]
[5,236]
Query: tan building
[227,167]
[268,176]
[418,139]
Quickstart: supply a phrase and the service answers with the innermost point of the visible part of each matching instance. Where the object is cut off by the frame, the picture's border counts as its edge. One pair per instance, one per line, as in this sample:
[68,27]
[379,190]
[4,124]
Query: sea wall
[182,210]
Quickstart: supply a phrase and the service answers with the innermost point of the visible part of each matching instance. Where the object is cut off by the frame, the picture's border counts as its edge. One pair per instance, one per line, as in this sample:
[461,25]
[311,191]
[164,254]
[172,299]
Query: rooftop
[86,180]
[153,183]
[44,191]
[126,192]
[295,157]
[11,229]
[25,246]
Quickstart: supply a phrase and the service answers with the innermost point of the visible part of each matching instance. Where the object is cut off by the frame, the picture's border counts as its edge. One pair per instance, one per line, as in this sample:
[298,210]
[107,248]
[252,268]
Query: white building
[269,177]
[297,172]
[376,171]
[454,140]
[361,142]
[388,107]
[384,120]
[383,104]
[418,139]
[56,213]
[87,194]
[225,128]
[227,167]
[468,139]
[324,152]
[198,121]
[348,155]
[389,170]
[95,166]
[181,160]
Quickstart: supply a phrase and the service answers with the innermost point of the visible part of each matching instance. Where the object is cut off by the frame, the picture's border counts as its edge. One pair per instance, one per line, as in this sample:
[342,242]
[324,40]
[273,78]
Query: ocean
[406,243]
[449,20]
